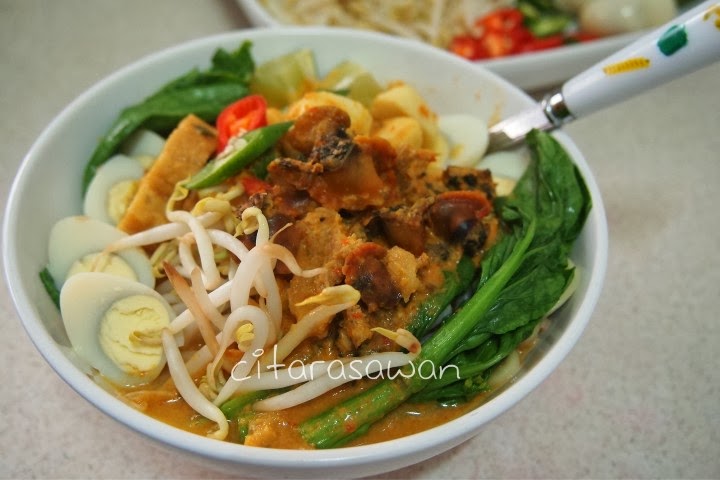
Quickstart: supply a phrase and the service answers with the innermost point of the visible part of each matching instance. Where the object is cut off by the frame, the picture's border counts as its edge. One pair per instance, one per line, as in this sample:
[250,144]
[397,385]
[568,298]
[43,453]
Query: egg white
[467,136]
[119,168]
[72,238]
[143,143]
[507,167]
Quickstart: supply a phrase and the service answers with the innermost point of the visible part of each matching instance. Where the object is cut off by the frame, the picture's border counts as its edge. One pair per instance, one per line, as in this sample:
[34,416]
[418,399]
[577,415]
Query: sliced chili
[246,114]
[505,32]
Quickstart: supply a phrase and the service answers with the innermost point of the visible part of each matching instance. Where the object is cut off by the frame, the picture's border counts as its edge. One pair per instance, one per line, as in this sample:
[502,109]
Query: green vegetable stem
[522,277]
[203,93]
[456,282]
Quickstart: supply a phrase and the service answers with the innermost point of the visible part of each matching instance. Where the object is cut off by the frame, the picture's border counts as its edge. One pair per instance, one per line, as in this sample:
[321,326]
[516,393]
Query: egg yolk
[103,262]
[130,333]
[119,197]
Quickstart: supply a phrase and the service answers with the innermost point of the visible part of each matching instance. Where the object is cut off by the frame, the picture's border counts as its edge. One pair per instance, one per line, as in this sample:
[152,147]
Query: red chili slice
[240,117]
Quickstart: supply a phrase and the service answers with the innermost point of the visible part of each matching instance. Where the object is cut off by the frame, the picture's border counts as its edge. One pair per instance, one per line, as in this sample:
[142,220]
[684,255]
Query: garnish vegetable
[245,149]
[203,93]
[239,117]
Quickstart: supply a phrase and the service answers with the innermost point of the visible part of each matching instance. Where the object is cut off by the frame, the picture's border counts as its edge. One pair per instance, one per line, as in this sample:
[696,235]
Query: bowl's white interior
[47,188]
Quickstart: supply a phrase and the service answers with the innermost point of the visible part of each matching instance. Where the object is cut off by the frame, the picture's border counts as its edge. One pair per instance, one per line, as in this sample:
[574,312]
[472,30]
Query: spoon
[686,43]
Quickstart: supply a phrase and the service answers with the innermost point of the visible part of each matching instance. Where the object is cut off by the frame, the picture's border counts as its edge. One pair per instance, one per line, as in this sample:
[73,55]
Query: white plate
[531,72]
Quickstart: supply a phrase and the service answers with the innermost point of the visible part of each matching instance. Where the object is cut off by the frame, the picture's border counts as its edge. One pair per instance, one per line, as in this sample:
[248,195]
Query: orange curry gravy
[376,218]
[279,429]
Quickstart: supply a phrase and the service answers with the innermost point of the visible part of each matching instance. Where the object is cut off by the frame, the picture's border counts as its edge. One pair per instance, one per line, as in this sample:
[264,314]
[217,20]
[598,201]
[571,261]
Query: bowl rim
[434,440]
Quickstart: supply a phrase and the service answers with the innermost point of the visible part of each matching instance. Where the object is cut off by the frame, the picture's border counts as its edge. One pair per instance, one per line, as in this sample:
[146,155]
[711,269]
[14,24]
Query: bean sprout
[254,318]
[217,297]
[161,233]
[303,329]
[204,302]
[433,21]
[211,275]
[336,374]
[186,294]
[246,314]
[188,390]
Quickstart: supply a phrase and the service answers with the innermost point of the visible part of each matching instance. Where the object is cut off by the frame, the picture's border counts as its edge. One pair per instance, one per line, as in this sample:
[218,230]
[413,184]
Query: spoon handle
[685,44]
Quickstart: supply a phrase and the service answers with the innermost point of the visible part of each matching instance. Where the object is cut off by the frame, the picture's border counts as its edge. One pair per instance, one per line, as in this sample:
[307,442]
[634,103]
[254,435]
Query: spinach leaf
[471,368]
[203,93]
[552,189]
[553,193]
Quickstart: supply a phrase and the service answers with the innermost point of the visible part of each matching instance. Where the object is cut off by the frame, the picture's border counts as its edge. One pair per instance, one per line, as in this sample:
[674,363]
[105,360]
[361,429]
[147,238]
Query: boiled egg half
[112,188]
[467,138]
[507,167]
[77,244]
[143,145]
[115,324]
[116,181]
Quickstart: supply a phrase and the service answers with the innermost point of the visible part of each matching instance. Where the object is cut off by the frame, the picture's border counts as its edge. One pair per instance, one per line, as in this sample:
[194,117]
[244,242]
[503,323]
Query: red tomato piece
[240,117]
[502,33]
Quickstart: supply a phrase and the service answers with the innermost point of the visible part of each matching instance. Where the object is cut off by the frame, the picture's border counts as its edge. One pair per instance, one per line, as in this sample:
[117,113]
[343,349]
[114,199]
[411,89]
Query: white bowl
[47,187]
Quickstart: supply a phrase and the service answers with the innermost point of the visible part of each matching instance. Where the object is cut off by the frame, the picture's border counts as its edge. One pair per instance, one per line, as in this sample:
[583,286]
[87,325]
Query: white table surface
[638,397]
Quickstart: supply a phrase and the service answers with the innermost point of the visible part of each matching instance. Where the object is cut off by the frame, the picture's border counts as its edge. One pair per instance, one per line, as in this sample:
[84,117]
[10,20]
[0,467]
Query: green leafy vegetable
[203,93]
[523,276]
[50,287]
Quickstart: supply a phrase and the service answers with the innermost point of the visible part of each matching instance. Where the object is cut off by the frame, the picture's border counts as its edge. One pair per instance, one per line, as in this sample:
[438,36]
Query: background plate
[531,72]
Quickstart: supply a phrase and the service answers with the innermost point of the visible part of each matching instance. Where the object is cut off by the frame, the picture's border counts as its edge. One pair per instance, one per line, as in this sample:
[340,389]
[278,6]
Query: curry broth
[279,429]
